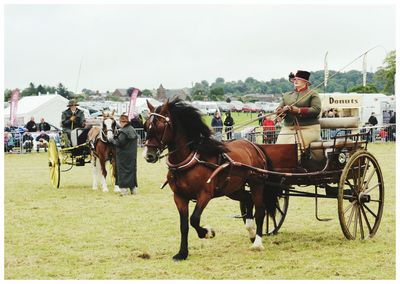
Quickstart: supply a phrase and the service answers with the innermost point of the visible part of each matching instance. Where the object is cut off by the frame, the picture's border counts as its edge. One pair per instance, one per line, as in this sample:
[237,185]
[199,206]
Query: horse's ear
[150,106]
[112,114]
[102,113]
[164,107]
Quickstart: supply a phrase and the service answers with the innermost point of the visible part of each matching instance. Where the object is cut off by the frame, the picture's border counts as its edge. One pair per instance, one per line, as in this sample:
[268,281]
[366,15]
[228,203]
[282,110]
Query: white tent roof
[28,104]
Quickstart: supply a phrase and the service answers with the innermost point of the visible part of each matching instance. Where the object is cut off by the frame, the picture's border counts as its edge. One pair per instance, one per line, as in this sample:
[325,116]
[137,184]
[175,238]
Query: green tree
[30,91]
[368,89]
[217,94]
[387,72]
[146,93]
[7,95]
[62,91]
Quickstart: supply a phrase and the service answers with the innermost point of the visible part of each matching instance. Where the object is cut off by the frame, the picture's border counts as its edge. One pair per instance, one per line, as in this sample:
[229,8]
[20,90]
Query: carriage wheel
[274,223]
[54,164]
[361,196]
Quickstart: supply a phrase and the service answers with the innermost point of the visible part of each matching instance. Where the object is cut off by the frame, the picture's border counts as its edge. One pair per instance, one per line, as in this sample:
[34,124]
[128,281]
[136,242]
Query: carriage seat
[339,122]
[75,133]
[320,149]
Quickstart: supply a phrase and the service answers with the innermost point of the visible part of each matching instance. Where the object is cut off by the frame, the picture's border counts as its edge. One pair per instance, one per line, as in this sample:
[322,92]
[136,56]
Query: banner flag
[326,71]
[365,70]
[14,107]
[133,93]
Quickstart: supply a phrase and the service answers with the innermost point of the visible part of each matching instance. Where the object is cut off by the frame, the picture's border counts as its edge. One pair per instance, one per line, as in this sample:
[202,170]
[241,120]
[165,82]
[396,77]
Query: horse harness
[223,161]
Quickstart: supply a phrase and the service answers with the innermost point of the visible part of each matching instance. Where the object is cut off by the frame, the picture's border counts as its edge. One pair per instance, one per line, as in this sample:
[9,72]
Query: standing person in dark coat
[126,146]
[372,119]
[229,122]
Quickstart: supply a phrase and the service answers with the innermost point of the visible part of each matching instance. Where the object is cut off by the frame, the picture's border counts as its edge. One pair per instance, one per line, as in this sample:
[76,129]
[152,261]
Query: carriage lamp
[342,158]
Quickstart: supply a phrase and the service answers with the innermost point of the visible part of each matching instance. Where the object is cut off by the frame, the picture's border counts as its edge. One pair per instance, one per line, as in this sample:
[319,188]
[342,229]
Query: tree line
[381,81]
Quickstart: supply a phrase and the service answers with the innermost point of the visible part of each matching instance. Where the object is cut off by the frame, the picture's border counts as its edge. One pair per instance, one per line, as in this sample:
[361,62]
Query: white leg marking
[94,168]
[210,233]
[257,245]
[251,228]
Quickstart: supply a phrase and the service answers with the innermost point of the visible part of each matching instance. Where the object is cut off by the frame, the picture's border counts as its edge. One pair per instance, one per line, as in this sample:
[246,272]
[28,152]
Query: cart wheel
[361,196]
[274,222]
[54,164]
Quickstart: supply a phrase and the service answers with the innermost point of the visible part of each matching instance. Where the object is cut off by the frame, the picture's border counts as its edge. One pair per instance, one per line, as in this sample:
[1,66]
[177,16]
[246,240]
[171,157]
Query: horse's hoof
[94,188]
[180,256]
[210,233]
[105,190]
[252,240]
[257,248]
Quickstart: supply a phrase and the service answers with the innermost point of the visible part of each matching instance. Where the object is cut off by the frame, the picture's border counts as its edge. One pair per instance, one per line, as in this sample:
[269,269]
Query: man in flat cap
[71,119]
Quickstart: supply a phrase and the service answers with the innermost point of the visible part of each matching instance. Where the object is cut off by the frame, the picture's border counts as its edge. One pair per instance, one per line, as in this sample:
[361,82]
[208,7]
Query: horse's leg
[182,204]
[257,194]
[95,171]
[245,197]
[201,203]
[103,175]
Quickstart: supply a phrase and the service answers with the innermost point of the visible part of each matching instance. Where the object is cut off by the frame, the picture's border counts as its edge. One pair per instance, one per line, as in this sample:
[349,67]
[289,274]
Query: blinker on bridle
[160,141]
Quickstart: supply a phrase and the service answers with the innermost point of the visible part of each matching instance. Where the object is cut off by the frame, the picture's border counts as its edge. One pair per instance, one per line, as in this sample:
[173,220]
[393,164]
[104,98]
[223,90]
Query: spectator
[269,136]
[27,141]
[5,141]
[372,119]
[43,126]
[31,125]
[229,122]
[10,143]
[260,118]
[392,127]
[216,124]
[43,141]
[137,123]
[126,145]
[383,134]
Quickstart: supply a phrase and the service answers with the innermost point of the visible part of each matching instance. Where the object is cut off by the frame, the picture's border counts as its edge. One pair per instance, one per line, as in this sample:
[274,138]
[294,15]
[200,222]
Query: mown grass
[77,233]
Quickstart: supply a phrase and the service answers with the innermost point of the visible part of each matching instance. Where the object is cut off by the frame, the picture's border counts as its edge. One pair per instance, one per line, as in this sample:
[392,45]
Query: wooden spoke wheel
[54,164]
[274,221]
[360,196]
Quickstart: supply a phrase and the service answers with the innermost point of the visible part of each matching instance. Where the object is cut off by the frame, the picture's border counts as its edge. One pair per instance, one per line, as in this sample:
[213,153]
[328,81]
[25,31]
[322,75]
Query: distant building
[121,93]
[163,94]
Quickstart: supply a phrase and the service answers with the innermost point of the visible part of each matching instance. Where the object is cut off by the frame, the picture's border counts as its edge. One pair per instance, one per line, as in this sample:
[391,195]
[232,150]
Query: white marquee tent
[49,107]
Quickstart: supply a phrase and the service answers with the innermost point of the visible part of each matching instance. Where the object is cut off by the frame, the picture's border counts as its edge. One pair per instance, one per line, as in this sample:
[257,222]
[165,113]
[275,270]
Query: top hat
[301,75]
[73,102]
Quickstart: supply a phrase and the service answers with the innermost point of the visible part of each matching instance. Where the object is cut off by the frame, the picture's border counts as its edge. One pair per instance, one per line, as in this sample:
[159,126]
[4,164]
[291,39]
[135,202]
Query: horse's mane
[191,123]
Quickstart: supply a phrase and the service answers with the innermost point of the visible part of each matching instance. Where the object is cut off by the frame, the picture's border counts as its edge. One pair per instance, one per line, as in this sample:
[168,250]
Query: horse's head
[159,132]
[109,125]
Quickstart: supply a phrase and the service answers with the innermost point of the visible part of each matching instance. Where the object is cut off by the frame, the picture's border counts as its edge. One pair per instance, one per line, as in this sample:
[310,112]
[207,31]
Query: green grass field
[77,233]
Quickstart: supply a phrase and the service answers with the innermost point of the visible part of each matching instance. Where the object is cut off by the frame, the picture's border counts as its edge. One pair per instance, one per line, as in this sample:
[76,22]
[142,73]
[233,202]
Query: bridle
[161,141]
[105,130]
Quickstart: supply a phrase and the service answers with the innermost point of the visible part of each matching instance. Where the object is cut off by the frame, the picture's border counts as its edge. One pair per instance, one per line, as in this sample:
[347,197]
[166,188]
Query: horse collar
[189,162]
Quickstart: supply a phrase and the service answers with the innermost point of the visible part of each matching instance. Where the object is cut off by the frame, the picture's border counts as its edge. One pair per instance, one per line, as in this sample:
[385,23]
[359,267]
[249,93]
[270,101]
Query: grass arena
[76,233]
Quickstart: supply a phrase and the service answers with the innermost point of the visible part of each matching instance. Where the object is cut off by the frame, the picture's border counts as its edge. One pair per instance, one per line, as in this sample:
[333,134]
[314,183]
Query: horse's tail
[271,192]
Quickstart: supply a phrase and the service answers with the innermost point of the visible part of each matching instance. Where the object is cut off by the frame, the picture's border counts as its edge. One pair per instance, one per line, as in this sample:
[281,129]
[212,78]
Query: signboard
[341,101]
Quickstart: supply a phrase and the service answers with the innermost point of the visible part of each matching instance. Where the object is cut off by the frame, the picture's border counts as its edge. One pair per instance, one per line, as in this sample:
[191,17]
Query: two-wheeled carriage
[340,169]
[77,155]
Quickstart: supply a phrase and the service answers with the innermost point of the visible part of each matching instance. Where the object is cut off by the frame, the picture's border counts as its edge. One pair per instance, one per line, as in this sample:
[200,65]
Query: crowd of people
[24,136]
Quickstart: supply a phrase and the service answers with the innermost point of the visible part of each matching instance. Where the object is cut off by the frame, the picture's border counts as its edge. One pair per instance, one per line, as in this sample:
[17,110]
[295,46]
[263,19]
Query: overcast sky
[118,46]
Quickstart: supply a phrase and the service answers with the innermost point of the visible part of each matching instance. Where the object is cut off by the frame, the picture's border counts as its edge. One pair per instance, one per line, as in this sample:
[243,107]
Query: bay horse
[193,156]
[102,149]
